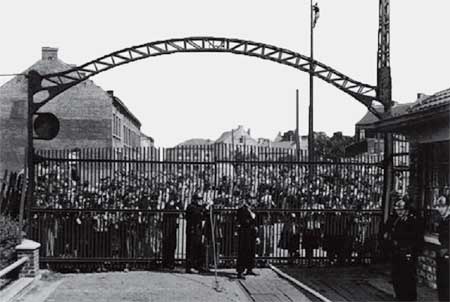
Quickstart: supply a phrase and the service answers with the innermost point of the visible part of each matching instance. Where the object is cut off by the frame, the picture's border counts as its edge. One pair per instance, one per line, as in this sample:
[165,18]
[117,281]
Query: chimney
[110,92]
[421,96]
[49,53]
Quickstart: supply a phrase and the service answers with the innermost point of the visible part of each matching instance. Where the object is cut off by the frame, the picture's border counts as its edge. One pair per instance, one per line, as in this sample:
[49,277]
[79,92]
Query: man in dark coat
[442,261]
[194,217]
[169,232]
[246,223]
[406,235]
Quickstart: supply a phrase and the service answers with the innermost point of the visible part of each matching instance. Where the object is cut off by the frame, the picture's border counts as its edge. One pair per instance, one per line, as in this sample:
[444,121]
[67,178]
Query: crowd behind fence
[108,205]
[148,178]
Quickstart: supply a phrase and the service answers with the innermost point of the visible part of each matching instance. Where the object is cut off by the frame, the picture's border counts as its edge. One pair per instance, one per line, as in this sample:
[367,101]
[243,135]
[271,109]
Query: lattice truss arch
[56,83]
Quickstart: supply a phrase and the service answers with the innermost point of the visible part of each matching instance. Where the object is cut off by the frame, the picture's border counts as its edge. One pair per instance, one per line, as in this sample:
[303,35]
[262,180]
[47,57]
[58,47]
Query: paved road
[371,283]
[136,287]
[269,287]
[163,286]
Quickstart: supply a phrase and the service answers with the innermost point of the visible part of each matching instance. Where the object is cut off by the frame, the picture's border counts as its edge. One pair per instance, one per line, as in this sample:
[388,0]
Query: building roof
[284,145]
[196,142]
[124,109]
[397,109]
[50,63]
[438,99]
[427,109]
[278,138]
[145,136]
[43,66]
[228,136]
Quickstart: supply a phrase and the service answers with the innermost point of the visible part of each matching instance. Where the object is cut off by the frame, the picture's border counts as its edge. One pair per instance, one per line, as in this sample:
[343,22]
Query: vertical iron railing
[105,236]
[108,205]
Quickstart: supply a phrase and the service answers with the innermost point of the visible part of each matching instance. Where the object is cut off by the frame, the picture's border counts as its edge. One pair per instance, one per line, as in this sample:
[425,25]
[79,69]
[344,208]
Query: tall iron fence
[117,237]
[108,206]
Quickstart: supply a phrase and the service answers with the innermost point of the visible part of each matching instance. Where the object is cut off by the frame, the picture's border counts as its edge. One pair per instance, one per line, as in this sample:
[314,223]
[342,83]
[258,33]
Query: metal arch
[56,83]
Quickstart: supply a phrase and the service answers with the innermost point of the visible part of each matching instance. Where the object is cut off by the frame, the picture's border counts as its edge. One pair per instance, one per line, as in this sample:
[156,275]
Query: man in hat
[194,217]
[406,236]
[442,261]
[246,223]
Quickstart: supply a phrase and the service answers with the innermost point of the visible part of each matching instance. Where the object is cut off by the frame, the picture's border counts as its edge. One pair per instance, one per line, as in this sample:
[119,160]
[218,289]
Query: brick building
[89,116]
[234,141]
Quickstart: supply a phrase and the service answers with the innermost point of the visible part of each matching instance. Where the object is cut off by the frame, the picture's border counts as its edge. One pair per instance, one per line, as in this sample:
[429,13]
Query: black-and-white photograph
[239,150]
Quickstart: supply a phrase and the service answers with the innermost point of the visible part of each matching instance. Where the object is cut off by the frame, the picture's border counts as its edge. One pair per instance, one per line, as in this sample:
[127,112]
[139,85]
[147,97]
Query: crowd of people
[118,232]
[281,186]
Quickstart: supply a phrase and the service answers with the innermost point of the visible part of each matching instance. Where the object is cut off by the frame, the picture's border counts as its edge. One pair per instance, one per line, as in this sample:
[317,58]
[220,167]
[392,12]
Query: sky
[183,96]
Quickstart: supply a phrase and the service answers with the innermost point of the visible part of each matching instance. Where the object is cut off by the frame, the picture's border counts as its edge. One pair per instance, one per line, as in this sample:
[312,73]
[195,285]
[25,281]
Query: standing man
[442,263]
[194,216]
[169,230]
[405,234]
[246,223]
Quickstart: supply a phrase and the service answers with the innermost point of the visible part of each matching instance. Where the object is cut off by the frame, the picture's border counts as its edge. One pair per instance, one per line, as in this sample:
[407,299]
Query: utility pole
[384,94]
[297,132]
[314,15]
[32,80]
[311,84]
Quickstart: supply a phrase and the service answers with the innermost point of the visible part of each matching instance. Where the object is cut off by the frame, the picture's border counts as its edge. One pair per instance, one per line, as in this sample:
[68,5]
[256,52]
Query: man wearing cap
[246,223]
[442,261]
[405,234]
[194,217]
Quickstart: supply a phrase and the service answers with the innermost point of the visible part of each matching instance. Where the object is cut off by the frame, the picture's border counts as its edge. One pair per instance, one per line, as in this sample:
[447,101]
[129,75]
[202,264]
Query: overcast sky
[184,96]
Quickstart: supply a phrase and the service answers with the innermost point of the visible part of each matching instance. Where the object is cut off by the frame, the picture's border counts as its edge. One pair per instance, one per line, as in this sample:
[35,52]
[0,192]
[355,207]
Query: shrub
[9,238]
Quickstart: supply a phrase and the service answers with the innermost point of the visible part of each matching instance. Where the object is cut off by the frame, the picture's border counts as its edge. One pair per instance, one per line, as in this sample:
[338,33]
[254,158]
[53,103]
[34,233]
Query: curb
[299,284]
[19,288]
[245,291]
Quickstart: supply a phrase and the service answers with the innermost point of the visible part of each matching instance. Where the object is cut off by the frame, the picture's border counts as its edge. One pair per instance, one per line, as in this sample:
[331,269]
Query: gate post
[34,82]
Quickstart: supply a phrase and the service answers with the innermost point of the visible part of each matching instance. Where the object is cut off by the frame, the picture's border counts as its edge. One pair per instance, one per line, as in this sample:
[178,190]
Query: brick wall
[84,112]
[30,249]
[426,266]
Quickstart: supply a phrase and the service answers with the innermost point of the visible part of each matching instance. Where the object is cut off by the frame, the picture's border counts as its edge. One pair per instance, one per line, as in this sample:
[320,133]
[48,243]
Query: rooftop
[438,99]
[118,102]
[397,109]
[196,142]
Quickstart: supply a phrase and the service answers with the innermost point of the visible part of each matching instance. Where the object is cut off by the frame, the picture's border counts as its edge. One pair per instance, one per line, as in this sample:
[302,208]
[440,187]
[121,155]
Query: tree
[331,148]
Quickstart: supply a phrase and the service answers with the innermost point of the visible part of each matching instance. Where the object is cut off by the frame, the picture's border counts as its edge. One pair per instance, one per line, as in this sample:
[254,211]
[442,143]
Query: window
[124,134]
[436,171]
[119,124]
[362,134]
[434,164]
[133,139]
[113,124]
[116,126]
